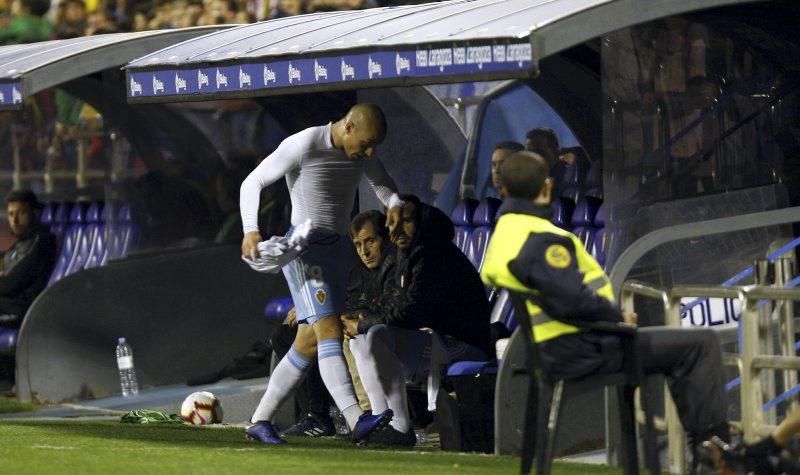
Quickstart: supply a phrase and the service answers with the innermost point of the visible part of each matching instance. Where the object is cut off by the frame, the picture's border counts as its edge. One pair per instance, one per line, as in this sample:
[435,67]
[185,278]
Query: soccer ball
[201,408]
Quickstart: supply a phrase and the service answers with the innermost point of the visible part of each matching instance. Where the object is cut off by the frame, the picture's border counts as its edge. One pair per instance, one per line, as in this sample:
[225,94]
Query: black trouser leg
[691,359]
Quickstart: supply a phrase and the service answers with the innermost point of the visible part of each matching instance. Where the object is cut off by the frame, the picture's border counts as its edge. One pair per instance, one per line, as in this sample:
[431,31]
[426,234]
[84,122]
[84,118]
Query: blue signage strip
[10,94]
[432,62]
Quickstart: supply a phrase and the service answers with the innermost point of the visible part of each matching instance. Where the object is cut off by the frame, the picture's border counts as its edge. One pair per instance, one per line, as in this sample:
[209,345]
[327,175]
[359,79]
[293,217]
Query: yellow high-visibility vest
[510,234]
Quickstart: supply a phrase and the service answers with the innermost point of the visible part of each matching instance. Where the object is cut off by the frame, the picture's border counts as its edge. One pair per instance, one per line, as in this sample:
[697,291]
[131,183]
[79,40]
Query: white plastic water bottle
[127,373]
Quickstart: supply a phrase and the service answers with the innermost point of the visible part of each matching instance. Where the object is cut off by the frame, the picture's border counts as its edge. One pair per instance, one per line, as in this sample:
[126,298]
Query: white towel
[278,251]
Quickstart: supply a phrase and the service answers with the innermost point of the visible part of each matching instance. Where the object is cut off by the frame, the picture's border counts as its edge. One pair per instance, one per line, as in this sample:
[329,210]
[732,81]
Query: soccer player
[323,166]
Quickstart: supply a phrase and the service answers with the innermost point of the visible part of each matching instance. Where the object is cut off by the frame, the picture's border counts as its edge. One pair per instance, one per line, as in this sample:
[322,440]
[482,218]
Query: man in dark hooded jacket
[435,287]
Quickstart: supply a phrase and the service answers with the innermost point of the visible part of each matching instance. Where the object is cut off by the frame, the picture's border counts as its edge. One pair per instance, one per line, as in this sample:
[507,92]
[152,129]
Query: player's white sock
[333,369]
[391,372]
[368,373]
[282,382]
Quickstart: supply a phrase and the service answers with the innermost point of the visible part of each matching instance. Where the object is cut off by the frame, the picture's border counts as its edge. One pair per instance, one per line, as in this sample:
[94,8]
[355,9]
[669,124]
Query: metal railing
[757,353]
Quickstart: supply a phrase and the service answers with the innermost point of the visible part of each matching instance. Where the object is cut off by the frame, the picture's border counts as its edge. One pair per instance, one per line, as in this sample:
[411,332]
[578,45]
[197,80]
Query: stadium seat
[462,221]
[278,307]
[86,239]
[8,340]
[48,211]
[484,219]
[583,220]
[572,188]
[123,236]
[600,242]
[98,254]
[594,180]
[60,221]
[72,236]
[563,208]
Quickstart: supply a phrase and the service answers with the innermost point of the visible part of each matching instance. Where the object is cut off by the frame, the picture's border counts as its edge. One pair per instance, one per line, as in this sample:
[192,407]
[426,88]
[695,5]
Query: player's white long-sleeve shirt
[322,181]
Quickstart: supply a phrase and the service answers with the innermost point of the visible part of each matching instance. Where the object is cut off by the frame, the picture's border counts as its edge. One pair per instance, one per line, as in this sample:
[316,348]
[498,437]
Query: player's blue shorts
[317,278]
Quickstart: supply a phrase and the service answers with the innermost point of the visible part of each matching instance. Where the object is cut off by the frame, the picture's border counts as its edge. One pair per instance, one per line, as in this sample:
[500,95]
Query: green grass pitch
[108,446]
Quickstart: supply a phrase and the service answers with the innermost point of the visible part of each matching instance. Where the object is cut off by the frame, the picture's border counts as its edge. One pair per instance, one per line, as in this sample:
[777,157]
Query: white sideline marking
[51,447]
[93,408]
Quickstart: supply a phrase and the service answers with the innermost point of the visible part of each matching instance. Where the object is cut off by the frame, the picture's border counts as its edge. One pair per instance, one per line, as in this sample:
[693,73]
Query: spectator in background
[28,24]
[28,262]
[286,8]
[544,142]
[501,151]
[70,19]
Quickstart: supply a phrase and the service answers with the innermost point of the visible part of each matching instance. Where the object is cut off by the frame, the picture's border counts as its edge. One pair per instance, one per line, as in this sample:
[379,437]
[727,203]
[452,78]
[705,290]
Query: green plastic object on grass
[146,416]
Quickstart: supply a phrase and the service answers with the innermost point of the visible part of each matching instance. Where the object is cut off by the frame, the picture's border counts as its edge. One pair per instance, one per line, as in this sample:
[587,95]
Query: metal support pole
[784,272]
[751,395]
[765,276]
[676,436]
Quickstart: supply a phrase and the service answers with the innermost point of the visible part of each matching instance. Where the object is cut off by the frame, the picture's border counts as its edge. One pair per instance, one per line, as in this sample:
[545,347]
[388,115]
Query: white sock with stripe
[281,383]
[333,368]
[391,372]
[368,373]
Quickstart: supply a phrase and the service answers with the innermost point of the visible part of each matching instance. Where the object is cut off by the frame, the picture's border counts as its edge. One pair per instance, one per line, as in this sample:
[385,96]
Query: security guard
[528,254]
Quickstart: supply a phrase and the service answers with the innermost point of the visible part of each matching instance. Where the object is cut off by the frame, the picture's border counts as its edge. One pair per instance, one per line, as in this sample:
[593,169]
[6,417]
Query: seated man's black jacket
[26,269]
[435,286]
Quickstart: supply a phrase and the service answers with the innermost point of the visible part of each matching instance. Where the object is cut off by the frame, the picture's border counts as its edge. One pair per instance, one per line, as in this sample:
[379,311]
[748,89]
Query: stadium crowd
[28,21]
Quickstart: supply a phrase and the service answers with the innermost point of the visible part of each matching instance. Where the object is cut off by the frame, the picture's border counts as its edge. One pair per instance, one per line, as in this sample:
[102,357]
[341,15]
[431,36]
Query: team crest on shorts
[321,296]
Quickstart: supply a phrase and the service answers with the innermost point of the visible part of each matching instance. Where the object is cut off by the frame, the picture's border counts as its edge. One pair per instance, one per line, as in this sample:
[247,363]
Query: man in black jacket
[434,287]
[28,262]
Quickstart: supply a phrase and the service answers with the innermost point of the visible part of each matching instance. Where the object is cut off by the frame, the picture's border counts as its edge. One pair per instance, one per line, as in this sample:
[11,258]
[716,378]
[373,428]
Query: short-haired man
[323,167]
[436,287]
[543,141]
[563,282]
[500,152]
[28,262]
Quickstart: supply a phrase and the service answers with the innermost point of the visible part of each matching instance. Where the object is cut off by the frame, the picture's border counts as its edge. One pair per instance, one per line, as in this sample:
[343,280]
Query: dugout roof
[449,41]
[30,68]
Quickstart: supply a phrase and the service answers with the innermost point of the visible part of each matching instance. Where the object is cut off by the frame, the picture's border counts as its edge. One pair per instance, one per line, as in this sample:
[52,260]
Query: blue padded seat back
[123,237]
[8,338]
[600,217]
[61,215]
[584,213]
[562,212]
[484,220]
[462,222]
[600,246]
[594,180]
[486,212]
[108,212]
[78,213]
[60,221]
[503,311]
[48,213]
[278,307]
[571,187]
[85,239]
[583,220]
[471,368]
[94,212]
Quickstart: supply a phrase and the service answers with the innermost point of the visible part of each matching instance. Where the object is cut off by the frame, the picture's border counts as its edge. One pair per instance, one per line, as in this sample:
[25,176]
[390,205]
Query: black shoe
[312,425]
[391,437]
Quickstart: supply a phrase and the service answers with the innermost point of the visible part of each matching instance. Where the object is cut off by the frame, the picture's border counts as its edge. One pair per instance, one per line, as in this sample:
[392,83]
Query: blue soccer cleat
[264,432]
[368,423]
